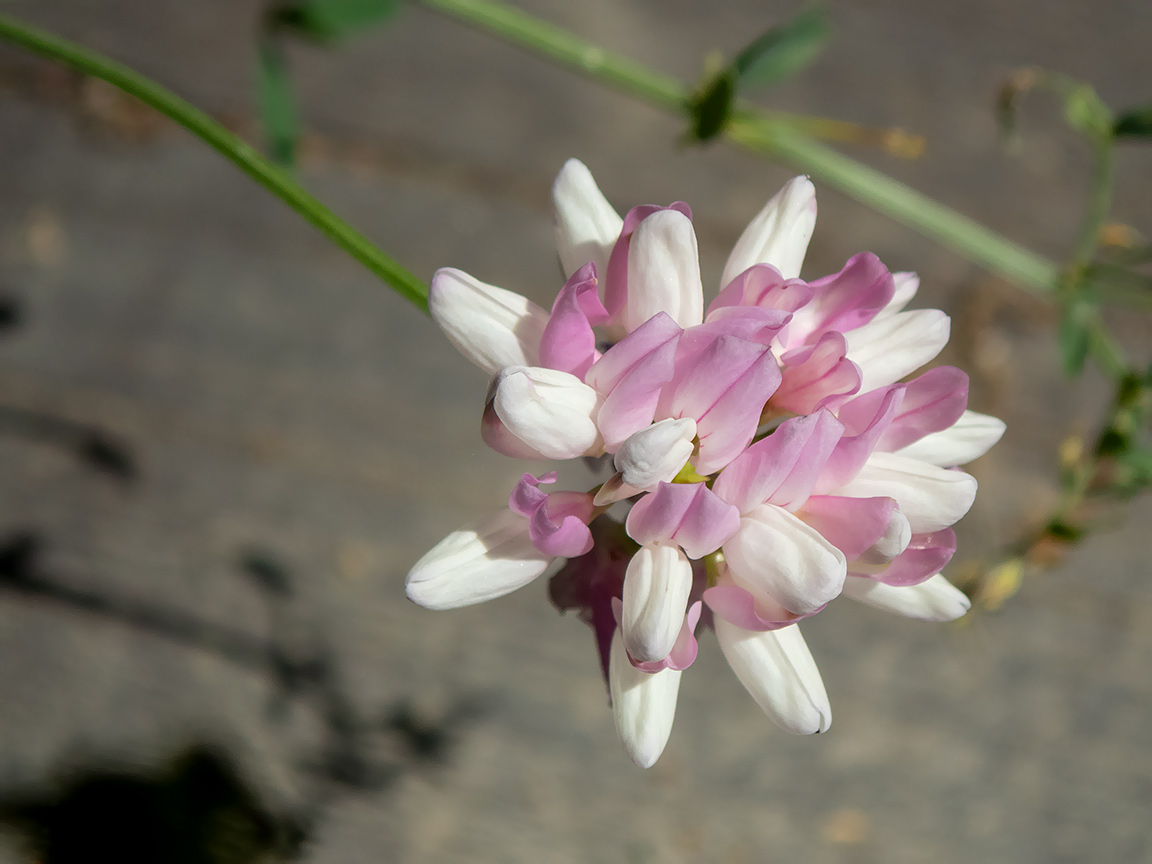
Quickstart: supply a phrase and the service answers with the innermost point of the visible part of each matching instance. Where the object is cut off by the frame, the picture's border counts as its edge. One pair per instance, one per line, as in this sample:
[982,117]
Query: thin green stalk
[903,204]
[768,133]
[1099,206]
[242,154]
[566,49]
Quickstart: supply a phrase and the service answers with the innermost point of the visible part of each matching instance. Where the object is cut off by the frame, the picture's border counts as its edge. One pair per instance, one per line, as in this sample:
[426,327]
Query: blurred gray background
[280,404]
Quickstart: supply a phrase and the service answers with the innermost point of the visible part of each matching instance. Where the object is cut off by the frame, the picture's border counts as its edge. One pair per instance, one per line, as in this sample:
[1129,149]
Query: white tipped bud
[656,588]
[657,453]
[482,561]
[643,705]
[549,413]
[490,326]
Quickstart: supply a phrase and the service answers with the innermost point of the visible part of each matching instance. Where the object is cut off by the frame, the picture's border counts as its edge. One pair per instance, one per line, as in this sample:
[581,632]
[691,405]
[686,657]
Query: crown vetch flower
[769,452]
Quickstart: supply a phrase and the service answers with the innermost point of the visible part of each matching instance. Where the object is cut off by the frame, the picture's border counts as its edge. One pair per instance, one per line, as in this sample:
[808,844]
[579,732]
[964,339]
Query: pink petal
[852,525]
[845,300]
[817,376]
[688,514]
[568,343]
[632,374]
[761,286]
[932,403]
[557,523]
[623,357]
[926,555]
[725,391]
[737,606]
[781,467]
[852,451]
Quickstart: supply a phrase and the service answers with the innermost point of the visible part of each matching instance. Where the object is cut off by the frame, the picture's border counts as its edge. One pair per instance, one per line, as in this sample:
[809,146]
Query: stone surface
[277,399]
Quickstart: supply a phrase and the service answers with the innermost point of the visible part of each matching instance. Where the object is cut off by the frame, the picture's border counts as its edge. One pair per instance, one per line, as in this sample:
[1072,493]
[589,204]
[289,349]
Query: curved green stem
[769,133]
[242,154]
[907,206]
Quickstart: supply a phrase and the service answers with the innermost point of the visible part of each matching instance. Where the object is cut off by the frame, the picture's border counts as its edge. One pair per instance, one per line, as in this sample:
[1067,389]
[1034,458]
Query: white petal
[550,411]
[779,234]
[931,498]
[586,225]
[895,540]
[907,284]
[663,272]
[778,670]
[970,437]
[490,326]
[887,349]
[657,453]
[479,562]
[933,600]
[656,588]
[777,554]
[643,705]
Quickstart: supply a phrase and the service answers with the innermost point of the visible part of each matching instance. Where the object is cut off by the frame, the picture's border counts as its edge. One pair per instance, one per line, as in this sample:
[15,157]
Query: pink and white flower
[770,457]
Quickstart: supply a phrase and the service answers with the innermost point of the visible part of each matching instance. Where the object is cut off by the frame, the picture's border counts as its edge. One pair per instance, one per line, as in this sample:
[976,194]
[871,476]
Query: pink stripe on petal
[846,300]
[737,606]
[932,403]
[568,343]
[817,376]
[852,451]
[852,525]
[783,465]
[623,357]
[725,391]
[925,556]
[688,514]
[632,404]
[762,286]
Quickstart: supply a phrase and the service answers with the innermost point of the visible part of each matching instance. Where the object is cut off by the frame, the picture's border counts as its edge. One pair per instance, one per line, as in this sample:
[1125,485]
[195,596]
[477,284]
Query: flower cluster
[767,449]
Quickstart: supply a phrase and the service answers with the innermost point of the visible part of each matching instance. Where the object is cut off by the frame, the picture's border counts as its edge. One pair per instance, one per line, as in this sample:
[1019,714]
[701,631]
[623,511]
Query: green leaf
[1086,113]
[277,105]
[1134,124]
[1075,335]
[783,51]
[335,19]
[1061,529]
[711,109]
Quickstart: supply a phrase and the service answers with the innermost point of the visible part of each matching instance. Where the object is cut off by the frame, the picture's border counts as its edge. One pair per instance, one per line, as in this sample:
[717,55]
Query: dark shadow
[92,446]
[353,756]
[193,810]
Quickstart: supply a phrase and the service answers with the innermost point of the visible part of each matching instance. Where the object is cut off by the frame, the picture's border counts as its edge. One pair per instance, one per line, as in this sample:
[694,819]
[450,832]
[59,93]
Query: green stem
[559,45]
[769,133]
[242,154]
[903,204]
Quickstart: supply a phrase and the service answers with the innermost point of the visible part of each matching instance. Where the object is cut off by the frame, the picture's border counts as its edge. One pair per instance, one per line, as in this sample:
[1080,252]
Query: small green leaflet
[771,57]
[335,19]
[277,105]
[1134,124]
[783,51]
